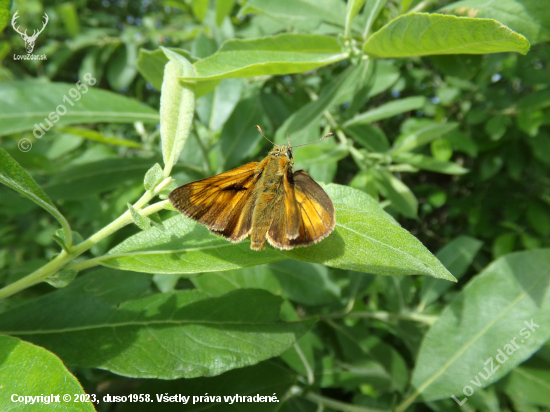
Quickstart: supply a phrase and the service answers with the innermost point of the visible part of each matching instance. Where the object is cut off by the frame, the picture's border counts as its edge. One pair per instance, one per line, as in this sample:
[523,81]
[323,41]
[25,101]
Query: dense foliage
[439,170]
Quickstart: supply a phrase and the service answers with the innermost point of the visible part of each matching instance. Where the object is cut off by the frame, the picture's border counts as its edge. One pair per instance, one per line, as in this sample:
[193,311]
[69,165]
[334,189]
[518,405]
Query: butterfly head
[282,151]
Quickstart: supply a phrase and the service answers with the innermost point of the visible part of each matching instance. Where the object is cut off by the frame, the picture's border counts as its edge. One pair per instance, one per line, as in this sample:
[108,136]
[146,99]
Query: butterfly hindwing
[315,213]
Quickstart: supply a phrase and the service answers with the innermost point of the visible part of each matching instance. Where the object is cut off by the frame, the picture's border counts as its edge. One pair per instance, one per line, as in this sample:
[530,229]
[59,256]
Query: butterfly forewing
[218,200]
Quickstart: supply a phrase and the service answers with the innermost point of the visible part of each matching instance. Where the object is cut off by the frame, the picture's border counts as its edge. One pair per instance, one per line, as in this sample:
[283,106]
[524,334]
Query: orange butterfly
[265,200]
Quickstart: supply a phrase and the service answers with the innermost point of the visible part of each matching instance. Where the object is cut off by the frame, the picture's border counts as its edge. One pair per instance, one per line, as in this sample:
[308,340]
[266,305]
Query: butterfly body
[266,200]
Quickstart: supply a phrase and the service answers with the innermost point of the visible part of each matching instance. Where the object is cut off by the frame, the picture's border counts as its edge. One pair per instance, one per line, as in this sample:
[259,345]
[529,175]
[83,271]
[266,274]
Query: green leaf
[393,189]
[501,305]
[121,69]
[63,278]
[177,106]
[264,379]
[529,17]
[353,8]
[306,283]
[388,110]
[410,141]
[19,113]
[320,155]
[372,10]
[223,10]
[101,138]
[153,177]
[530,382]
[371,359]
[239,138]
[282,54]
[385,76]
[456,256]
[301,357]
[15,177]
[220,283]
[200,7]
[164,336]
[459,65]
[429,163]
[539,99]
[442,149]
[306,14]
[143,222]
[538,216]
[225,99]
[187,247]
[69,17]
[22,373]
[422,34]
[370,137]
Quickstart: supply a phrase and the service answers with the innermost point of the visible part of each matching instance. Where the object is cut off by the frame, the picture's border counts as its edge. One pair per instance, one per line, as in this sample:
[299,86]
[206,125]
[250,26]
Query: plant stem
[387,316]
[337,405]
[64,258]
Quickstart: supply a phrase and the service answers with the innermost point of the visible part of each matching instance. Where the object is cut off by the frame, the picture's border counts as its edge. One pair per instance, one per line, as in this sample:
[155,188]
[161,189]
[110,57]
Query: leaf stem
[64,258]
[310,376]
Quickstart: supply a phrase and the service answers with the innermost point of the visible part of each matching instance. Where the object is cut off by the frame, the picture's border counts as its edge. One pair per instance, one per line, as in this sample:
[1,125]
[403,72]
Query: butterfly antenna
[260,130]
[304,144]
[288,139]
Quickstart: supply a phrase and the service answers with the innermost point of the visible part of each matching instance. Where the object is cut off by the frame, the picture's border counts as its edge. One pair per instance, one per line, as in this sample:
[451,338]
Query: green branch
[65,258]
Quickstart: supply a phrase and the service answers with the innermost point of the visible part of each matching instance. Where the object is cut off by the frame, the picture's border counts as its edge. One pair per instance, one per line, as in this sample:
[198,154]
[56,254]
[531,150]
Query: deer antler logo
[29,40]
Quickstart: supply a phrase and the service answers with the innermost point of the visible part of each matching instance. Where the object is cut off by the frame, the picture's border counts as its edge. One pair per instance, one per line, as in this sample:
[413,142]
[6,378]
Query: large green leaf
[22,374]
[422,34]
[306,14]
[498,308]
[429,163]
[25,104]
[282,54]
[187,247]
[387,110]
[528,17]
[167,335]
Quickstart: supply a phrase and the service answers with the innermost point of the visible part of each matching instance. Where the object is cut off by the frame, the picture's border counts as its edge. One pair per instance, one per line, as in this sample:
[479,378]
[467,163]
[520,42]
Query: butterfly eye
[289,153]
